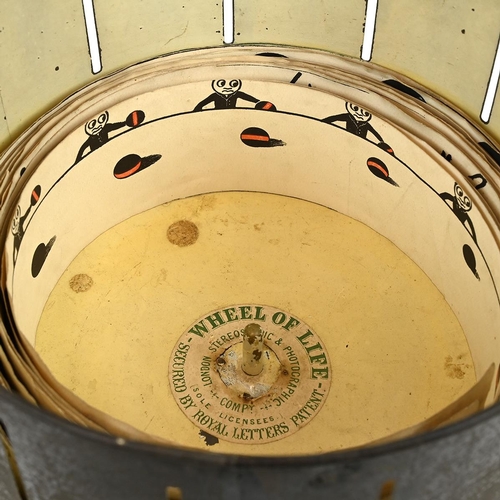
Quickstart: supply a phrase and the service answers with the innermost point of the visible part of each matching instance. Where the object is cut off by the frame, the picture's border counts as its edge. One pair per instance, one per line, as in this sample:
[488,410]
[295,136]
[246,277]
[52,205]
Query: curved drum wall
[448,47]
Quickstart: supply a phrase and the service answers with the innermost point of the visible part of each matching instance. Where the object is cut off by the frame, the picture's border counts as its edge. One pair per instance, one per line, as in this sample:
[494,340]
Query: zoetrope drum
[274,269]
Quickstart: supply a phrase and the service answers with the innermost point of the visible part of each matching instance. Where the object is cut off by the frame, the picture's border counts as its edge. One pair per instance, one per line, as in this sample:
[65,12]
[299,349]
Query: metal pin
[253,346]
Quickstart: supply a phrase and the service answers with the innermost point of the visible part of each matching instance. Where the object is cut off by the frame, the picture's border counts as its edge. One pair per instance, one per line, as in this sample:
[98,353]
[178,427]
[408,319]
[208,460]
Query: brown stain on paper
[182,233]
[80,282]
[455,370]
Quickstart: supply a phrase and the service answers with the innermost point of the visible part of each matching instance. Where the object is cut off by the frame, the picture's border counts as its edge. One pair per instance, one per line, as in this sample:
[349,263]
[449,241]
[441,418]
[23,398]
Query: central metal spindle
[253,348]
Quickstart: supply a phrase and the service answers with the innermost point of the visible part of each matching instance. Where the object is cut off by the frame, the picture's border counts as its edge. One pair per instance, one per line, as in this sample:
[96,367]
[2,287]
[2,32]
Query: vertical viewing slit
[92,37]
[370,20]
[489,98]
[228,20]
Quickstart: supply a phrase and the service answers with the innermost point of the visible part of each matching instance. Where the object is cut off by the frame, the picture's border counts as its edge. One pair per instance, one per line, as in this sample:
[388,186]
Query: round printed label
[215,394]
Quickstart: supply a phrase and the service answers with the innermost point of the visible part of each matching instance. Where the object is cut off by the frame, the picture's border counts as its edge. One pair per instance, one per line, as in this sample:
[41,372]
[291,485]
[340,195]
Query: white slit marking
[228,20]
[92,37]
[369,35]
[489,98]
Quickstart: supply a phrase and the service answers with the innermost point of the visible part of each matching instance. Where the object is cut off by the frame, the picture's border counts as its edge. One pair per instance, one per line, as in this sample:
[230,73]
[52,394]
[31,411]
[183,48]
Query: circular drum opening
[345,216]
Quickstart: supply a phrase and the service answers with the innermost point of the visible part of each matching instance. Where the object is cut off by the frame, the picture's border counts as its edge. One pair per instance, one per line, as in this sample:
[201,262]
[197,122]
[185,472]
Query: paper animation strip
[368,95]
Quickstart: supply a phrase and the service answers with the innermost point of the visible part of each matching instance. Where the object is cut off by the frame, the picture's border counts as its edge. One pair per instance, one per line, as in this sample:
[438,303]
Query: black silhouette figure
[40,256]
[495,155]
[19,220]
[461,205]
[379,169]
[18,229]
[446,155]
[130,164]
[227,93]
[98,130]
[356,121]
[481,178]
[470,260]
[256,137]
